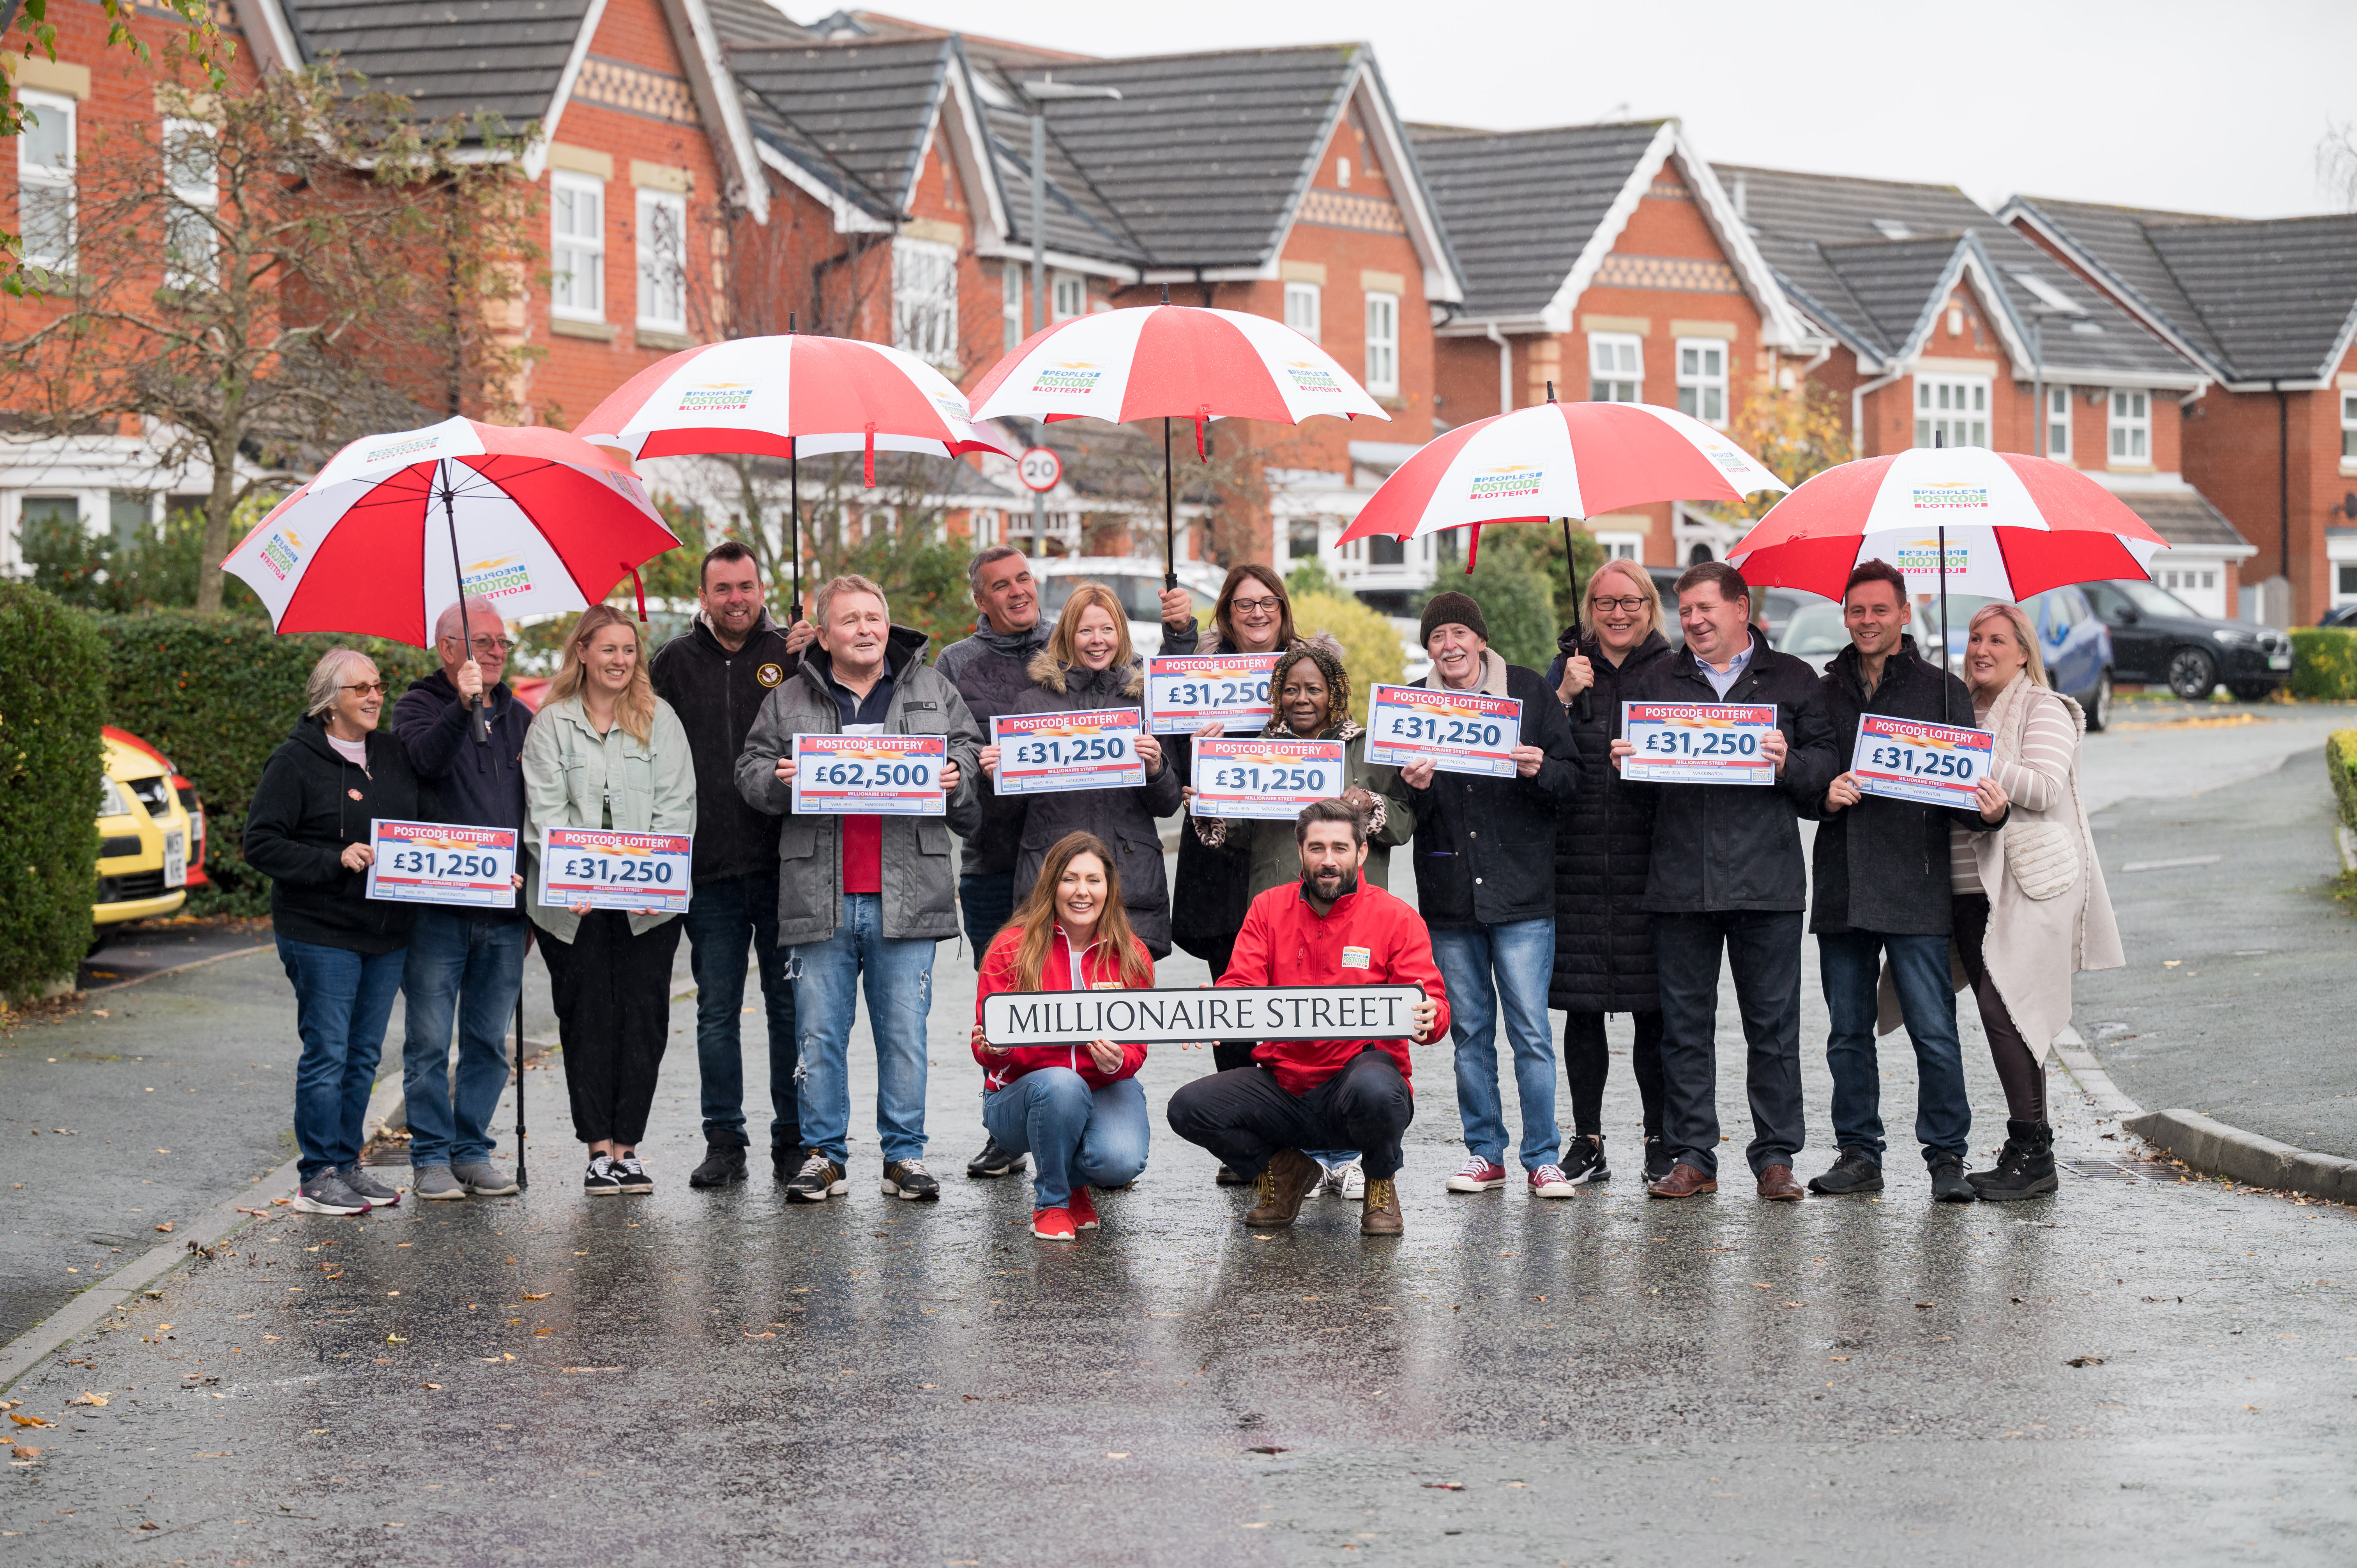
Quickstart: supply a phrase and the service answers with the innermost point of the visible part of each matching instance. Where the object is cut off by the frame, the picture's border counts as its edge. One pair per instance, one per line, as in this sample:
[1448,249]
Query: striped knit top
[2037,780]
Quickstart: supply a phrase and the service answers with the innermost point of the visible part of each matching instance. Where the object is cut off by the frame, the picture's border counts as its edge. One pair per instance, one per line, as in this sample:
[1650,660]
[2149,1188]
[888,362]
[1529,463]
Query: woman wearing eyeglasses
[307,830]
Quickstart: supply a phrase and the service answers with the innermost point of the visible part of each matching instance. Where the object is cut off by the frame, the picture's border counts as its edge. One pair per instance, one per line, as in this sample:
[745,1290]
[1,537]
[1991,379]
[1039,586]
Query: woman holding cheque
[1077,1110]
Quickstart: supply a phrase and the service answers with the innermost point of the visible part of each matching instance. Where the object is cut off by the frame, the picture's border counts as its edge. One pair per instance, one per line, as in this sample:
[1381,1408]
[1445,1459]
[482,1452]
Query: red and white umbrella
[1557,460]
[386,535]
[1170,361]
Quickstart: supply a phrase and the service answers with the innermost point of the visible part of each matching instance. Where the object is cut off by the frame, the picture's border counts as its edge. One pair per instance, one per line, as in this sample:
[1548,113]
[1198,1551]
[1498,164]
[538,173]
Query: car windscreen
[1814,628]
[1140,596]
[2151,600]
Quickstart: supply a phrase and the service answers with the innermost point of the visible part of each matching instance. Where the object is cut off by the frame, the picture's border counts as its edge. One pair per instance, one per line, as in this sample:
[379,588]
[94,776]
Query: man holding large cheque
[1326,929]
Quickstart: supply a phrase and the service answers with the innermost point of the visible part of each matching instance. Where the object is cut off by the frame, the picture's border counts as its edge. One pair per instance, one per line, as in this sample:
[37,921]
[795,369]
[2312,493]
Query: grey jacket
[571,774]
[919,874]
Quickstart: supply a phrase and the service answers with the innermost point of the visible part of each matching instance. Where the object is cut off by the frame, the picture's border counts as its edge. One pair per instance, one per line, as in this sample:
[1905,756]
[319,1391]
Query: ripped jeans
[826,976]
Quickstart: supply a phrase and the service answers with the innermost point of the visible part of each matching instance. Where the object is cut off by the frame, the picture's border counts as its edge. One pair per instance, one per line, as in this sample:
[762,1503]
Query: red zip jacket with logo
[1368,938]
[1099,971]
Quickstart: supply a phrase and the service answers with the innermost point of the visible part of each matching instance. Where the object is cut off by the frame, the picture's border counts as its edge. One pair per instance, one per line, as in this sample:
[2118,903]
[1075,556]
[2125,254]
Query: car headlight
[2234,639]
[111,800]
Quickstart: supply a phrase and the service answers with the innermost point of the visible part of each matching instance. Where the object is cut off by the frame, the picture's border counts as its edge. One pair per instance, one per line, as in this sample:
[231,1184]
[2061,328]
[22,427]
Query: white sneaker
[1355,1181]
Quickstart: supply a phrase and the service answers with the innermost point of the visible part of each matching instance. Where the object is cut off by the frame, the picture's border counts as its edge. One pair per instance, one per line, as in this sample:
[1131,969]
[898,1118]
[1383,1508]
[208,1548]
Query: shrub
[218,693]
[2324,662]
[1371,648]
[1511,581]
[2340,762]
[52,675]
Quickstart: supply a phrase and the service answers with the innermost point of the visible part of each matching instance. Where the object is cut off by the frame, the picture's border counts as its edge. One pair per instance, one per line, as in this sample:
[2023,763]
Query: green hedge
[2340,762]
[217,694]
[52,666]
[2324,662]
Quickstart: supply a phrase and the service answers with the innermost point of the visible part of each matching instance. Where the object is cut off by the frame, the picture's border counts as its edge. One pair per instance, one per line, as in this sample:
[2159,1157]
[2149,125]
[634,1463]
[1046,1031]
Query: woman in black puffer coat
[1603,845]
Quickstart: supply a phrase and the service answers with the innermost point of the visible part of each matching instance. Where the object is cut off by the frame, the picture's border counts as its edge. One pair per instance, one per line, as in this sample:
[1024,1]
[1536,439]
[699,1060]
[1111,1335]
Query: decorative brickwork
[1668,187]
[1342,209]
[636,90]
[1684,274]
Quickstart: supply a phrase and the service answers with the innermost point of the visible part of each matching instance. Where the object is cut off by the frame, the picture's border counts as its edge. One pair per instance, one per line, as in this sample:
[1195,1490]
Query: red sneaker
[1476,1174]
[1084,1212]
[1053,1225]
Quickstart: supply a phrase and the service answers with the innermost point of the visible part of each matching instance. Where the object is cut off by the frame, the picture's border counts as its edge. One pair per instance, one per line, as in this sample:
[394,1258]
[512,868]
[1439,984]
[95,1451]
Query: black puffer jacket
[718,695]
[1738,846]
[1882,864]
[310,805]
[991,670]
[1484,848]
[1214,888]
[1603,847]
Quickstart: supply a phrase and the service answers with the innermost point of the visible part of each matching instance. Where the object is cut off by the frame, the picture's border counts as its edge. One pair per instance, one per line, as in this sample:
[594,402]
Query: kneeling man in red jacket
[1331,929]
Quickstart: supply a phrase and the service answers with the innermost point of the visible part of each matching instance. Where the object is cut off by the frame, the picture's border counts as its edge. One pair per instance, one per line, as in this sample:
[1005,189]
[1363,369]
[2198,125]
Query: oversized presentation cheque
[1041,753]
[609,869]
[1225,1012]
[1697,743]
[1266,778]
[1184,691]
[1457,732]
[442,862]
[1908,759]
[880,775]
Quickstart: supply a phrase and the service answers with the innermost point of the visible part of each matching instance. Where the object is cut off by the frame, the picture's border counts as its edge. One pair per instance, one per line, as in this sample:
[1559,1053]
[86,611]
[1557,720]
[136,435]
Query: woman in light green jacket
[605,752]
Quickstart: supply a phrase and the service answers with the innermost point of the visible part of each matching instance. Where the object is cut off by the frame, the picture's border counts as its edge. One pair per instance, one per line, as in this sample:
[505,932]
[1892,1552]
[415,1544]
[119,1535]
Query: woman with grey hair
[307,830]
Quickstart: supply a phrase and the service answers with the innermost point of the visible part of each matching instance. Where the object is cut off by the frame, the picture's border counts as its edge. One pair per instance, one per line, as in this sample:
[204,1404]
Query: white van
[1135,581]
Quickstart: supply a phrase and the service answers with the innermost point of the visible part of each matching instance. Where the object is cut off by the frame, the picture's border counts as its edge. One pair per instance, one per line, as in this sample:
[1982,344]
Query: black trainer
[630,1177]
[819,1179]
[1583,1160]
[909,1179]
[723,1166]
[598,1181]
[1948,1183]
[993,1161]
[1853,1172]
[786,1160]
[1658,1160]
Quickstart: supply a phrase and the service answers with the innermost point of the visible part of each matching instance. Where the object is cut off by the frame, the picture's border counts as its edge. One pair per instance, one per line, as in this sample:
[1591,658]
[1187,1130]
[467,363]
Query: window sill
[2348,468]
[596,331]
[668,342]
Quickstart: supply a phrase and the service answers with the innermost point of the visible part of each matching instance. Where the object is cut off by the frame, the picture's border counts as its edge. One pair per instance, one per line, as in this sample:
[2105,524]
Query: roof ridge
[2140,212]
[1847,179]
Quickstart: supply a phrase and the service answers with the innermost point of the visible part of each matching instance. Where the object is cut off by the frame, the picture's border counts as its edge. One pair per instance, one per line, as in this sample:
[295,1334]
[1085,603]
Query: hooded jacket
[1098,972]
[308,807]
[1603,850]
[716,695]
[1368,938]
[1485,847]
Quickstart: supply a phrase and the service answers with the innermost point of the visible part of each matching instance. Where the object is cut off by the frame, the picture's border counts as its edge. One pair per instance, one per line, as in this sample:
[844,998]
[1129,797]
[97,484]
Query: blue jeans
[727,914]
[342,1000]
[1849,963]
[1075,1135]
[472,969]
[1522,957]
[899,974]
[986,900]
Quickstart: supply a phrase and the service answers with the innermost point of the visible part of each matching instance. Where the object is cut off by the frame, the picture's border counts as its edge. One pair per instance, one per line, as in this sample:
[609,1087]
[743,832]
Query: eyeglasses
[490,644]
[1254,604]
[366,688]
[1631,604]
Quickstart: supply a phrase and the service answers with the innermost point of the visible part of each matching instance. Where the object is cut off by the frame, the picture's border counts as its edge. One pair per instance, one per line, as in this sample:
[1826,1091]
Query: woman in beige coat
[2030,910]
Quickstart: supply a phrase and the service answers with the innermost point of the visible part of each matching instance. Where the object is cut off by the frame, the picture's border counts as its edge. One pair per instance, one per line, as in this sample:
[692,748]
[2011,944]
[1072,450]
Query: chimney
[1741,193]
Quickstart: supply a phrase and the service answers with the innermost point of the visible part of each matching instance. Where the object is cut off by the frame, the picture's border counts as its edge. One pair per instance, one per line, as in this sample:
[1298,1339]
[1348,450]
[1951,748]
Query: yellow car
[147,829]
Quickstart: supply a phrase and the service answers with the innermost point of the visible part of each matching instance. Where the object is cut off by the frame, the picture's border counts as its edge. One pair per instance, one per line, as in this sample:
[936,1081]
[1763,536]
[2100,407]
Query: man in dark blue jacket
[463,962]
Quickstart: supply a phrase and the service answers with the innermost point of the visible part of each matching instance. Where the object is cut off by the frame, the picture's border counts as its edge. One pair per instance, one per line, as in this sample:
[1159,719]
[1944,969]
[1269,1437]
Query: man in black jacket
[1727,873]
[1882,888]
[1485,884]
[464,965]
[716,677]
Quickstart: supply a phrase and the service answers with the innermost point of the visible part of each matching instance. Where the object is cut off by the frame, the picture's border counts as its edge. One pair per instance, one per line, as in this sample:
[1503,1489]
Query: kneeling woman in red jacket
[1078,1110]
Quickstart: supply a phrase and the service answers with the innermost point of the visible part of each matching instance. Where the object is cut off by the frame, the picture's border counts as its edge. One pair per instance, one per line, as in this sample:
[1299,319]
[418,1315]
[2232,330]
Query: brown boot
[1281,1186]
[1683,1181]
[1381,1215]
[1776,1184]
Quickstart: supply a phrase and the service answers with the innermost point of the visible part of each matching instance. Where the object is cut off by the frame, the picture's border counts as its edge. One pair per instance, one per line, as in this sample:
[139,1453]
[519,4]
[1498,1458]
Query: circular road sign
[1039,468]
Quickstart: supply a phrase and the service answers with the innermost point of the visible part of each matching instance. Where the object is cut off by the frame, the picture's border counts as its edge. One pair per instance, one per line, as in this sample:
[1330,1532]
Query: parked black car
[2345,616]
[2160,639]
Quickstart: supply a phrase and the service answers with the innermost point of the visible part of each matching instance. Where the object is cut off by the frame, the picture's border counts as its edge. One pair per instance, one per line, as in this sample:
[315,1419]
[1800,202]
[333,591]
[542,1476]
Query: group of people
[1562,885]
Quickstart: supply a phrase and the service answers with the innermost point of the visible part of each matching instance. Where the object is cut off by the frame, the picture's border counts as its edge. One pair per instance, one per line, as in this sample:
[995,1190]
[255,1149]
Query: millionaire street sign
[1219,1012]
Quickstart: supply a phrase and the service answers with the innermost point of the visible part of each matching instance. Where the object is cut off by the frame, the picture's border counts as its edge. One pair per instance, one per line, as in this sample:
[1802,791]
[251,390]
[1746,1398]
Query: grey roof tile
[449,57]
[854,115]
[2116,239]
[2275,295]
[2184,518]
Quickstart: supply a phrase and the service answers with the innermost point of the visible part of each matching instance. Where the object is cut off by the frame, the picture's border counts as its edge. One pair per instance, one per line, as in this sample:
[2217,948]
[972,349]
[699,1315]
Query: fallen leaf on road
[1836,1358]
[544,1331]
[223,1454]
[1116,1456]
[2250,1407]
[394,1339]
[1444,1486]
[23,1451]
[1923,1305]
[542,1296]
[434,1385]
[2084,1361]
[760,1337]
[1264,1448]
[29,1420]
[166,1227]
[86,1397]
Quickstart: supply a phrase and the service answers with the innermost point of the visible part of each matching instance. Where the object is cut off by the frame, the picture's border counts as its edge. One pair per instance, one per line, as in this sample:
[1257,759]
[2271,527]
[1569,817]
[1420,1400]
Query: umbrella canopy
[378,543]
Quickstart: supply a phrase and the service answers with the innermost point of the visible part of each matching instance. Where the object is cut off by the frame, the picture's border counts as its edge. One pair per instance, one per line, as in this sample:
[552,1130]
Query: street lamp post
[1042,92]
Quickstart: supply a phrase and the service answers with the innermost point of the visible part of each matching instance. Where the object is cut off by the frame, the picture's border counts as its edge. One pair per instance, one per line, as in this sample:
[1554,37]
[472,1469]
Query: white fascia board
[1064,261]
[1478,326]
[535,156]
[849,217]
[2085,376]
[1441,283]
[970,146]
[1559,309]
[264,23]
[2019,214]
[1266,272]
[717,96]
[2284,384]
[1780,323]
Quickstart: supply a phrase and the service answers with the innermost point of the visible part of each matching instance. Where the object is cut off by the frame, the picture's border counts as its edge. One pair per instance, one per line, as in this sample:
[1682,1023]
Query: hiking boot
[1082,1208]
[599,1181]
[994,1161]
[434,1184]
[483,1179]
[1281,1186]
[1948,1183]
[631,1176]
[819,1179]
[378,1195]
[327,1194]
[1658,1159]
[723,1166]
[1477,1175]
[1381,1217]
[2026,1169]
[1850,1172]
[909,1179]
[1583,1161]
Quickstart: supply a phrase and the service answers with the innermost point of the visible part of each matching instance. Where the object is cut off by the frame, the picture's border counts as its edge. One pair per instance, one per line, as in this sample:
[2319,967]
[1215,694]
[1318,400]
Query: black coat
[1213,888]
[1484,848]
[1738,846]
[309,805]
[1882,864]
[1603,847]
[990,679]
[480,785]
[718,694]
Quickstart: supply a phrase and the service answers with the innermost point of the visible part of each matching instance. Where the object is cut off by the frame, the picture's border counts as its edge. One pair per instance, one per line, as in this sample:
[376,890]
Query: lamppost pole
[1035,316]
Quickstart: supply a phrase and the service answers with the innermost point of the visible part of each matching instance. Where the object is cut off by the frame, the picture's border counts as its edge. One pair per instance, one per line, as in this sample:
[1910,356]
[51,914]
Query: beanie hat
[1453,608]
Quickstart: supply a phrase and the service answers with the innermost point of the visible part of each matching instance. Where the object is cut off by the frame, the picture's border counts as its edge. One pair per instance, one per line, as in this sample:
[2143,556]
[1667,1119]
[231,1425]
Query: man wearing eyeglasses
[465,964]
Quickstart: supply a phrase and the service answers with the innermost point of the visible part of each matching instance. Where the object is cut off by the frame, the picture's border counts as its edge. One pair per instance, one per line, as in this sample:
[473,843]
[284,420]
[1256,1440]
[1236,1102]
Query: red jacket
[1098,971]
[1368,938]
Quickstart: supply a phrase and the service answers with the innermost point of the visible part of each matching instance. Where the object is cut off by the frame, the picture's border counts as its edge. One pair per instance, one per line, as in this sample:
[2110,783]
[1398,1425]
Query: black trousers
[1764,949]
[1228,1055]
[1586,1059]
[1244,1116]
[2017,1067]
[612,994]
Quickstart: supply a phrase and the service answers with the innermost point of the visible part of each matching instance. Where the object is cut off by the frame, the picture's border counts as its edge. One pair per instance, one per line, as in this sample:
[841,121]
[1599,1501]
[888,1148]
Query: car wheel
[2099,705]
[2253,691]
[2191,675]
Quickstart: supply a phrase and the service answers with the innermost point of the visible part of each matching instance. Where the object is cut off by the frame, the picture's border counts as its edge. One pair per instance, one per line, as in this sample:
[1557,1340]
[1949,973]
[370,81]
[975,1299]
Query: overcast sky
[2204,107]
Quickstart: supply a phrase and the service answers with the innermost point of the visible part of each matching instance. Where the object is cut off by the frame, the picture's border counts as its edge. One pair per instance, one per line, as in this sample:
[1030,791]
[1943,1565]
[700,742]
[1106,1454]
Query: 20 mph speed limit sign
[1038,469]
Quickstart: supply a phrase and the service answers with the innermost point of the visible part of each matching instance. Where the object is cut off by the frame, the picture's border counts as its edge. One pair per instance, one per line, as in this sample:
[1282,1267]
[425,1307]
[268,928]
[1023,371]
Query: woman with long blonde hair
[1077,1110]
[605,752]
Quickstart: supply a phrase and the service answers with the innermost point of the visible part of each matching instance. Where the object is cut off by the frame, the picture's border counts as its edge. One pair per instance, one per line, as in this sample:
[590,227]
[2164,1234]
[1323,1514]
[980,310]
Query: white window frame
[193,232]
[1303,306]
[2058,423]
[2349,427]
[924,300]
[1068,296]
[571,279]
[1616,367]
[2129,441]
[1382,344]
[1702,392]
[1010,301]
[1621,547]
[49,178]
[1953,407]
[662,279]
